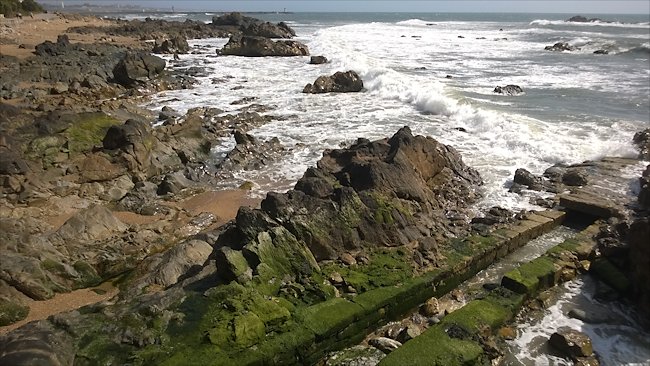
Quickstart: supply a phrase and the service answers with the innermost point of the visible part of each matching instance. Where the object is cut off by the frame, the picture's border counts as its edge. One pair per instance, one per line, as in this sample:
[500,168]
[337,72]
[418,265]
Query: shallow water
[616,335]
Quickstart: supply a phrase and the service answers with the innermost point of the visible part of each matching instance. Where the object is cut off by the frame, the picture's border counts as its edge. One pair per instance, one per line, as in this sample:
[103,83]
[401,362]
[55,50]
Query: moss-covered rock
[87,131]
[11,311]
[610,274]
[435,348]
[530,277]
[330,316]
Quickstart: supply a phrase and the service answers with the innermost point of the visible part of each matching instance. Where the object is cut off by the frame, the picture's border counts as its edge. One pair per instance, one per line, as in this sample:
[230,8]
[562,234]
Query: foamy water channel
[576,107]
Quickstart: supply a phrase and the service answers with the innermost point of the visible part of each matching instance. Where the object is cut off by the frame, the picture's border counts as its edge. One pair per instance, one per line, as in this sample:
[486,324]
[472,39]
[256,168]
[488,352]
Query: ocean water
[577,105]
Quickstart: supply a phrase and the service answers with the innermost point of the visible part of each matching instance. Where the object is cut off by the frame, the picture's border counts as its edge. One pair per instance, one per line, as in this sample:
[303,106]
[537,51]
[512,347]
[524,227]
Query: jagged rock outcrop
[254,27]
[340,82]
[137,68]
[260,47]
[267,269]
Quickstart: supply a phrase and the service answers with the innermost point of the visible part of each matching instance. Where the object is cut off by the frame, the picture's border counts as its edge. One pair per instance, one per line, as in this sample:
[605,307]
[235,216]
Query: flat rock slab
[609,191]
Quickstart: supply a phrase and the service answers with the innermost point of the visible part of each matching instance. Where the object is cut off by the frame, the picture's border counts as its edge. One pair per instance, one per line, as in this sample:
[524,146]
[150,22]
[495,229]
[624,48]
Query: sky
[519,6]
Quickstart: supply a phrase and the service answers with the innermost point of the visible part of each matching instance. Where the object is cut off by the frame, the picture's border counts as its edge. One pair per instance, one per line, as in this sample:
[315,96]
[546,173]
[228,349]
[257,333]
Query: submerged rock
[340,82]
[508,90]
[317,60]
[561,46]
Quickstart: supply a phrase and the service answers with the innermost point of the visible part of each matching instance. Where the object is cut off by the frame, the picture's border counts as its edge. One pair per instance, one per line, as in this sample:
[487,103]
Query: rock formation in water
[340,82]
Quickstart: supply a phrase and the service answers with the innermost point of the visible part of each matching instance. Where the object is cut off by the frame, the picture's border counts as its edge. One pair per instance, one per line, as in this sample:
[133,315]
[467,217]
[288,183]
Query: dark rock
[581,19]
[138,68]
[572,343]
[340,82]
[408,333]
[317,60]
[174,45]
[554,173]
[260,47]
[496,215]
[509,90]
[528,179]
[268,30]
[601,52]
[560,47]
[574,177]
[639,259]
[644,191]
[642,141]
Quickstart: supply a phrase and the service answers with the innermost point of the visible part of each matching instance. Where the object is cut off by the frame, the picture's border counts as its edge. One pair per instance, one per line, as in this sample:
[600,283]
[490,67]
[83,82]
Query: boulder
[528,179]
[340,82]
[385,344]
[97,168]
[571,343]
[134,140]
[174,45]
[561,46]
[601,52]
[508,90]
[317,60]
[94,223]
[136,68]
[250,46]
[574,177]
[178,261]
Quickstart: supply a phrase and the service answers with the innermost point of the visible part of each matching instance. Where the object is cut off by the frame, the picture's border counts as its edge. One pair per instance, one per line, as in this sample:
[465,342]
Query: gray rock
[94,223]
[340,82]
[178,261]
[384,344]
[137,68]
[174,45]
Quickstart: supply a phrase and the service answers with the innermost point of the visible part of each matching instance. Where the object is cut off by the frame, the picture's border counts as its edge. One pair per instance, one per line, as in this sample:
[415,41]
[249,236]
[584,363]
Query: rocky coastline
[377,231]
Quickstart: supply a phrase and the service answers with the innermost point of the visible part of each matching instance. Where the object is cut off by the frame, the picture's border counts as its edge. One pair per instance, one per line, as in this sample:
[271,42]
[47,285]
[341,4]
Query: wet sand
[64,302]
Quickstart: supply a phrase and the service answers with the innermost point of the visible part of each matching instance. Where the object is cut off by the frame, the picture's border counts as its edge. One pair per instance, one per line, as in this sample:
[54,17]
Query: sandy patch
[223,204]
[64,302]
[29,32]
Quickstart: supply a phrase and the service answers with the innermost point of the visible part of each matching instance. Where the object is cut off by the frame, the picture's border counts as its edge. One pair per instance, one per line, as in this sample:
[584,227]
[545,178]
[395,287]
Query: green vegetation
[11,312]
[88,131]
[435,348]
[11,8]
